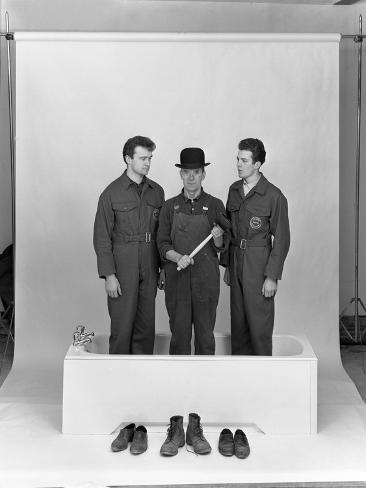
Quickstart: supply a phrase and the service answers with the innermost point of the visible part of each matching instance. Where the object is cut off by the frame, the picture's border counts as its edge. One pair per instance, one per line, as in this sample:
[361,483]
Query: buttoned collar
[126,182]
[134,183]
[260,187]
[187,199]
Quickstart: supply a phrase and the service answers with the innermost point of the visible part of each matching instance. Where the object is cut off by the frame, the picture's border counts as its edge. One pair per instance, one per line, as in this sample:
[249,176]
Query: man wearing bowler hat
[258,249]
[192,284]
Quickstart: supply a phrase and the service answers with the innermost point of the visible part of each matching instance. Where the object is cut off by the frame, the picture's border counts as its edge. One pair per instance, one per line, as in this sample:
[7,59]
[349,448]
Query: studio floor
[34,453]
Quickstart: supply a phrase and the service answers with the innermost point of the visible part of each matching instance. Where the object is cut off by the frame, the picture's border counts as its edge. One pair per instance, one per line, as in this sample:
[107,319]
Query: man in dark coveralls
[125,243]
[258,249]
[191,294]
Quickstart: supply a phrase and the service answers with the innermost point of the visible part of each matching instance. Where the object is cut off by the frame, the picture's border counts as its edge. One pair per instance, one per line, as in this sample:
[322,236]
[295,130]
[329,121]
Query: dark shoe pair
[237,444]
[176,437]
[137,437]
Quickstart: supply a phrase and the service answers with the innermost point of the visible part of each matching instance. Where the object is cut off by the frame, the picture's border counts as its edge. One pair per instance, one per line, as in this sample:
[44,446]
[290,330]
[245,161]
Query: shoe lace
[199,431]
[190,450]
[169,432]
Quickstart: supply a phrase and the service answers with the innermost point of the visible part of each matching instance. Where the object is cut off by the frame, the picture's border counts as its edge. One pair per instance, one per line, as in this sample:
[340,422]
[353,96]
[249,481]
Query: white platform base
[34,453]
[277,393]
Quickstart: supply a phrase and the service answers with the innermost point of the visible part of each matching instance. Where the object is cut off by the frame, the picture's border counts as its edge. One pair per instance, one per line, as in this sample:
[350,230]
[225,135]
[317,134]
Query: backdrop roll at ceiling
[80,96]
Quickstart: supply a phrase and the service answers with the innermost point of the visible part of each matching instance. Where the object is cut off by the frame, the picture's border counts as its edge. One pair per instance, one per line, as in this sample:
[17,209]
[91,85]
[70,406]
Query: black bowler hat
[192,158]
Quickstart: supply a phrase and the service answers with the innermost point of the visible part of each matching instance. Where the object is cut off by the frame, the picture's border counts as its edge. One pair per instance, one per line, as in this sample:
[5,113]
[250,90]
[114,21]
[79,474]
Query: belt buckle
[243,243]
[148,237]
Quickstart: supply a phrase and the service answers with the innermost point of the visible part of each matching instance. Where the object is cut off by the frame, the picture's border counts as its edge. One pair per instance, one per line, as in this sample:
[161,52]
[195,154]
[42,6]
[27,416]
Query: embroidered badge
[156,213]
[255,223]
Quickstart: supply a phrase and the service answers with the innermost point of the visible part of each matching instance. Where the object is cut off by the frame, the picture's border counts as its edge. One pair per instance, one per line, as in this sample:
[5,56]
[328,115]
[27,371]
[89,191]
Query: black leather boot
[175,437]
[195,437]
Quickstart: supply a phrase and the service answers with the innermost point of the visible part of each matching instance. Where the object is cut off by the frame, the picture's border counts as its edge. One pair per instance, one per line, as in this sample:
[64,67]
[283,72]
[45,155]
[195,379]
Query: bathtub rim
[73,353]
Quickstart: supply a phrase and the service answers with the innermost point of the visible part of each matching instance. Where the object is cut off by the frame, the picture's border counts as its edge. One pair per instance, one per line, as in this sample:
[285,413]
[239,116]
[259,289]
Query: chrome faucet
[81,337]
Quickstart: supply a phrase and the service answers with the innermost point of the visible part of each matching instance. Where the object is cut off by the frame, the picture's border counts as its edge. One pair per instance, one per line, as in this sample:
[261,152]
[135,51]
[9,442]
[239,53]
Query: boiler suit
[124,240]
[191,295]
[259,246]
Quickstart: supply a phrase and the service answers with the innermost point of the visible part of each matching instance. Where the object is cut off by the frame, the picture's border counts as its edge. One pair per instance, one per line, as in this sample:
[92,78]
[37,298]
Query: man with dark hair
[259,246]
[124,240]
[192,284]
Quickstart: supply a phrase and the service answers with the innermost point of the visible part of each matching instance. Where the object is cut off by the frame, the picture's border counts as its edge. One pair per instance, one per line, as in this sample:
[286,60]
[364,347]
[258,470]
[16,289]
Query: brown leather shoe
[226,443]
[139,441]
[241,444]
[125,436]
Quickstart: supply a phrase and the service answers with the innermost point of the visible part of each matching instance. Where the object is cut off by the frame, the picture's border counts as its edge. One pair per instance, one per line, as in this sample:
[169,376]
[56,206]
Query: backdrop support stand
[10,311]
[356,300]
[9,37]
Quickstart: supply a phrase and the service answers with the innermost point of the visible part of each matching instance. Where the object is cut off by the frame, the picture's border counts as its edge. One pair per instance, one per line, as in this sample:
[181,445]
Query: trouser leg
[260,313]
[205,295]
[143,333]
[204,318]
[178,304]
[122,311]
[240,333]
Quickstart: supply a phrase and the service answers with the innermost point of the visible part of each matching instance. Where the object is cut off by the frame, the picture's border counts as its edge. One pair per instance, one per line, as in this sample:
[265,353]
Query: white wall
[135,15]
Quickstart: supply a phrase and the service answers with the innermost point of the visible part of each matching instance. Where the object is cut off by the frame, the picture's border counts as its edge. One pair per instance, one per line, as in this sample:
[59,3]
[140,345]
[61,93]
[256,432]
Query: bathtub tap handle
[80,329]
[81,337]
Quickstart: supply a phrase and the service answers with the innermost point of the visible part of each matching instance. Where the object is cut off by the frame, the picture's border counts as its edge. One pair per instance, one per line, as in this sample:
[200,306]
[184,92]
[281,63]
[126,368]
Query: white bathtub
[277,393]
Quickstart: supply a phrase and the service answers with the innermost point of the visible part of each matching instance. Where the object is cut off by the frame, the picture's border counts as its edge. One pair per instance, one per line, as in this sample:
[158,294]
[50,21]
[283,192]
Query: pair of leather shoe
[237,444]
[137,437]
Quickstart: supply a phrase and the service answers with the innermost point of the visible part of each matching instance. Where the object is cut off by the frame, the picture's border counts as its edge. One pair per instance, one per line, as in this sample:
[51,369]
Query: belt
[244,243]
[146,237]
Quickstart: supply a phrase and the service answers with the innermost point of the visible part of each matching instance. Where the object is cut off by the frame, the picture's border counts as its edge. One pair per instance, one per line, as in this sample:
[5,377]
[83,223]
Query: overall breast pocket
[126,215]
[258,219]
[233,209]
[153,210]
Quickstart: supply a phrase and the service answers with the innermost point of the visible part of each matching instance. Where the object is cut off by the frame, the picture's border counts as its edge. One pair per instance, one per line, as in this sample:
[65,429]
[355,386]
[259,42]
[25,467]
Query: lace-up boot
[195,437]
[175,437]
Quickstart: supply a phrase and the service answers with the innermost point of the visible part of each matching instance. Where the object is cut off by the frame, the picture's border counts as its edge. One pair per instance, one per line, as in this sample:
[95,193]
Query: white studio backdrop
[80,96]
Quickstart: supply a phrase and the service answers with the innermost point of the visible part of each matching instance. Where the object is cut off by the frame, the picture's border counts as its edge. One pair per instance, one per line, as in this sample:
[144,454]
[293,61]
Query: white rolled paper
[198,248]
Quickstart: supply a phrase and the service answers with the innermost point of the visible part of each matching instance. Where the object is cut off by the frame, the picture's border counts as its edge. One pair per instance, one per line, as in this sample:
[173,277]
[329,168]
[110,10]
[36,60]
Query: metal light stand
[10,311]
[9,36]
[356,300]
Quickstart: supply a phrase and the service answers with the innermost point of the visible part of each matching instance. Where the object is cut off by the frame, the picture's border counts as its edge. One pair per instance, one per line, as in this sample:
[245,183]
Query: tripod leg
[10,335]
[362,304]
[346,331]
